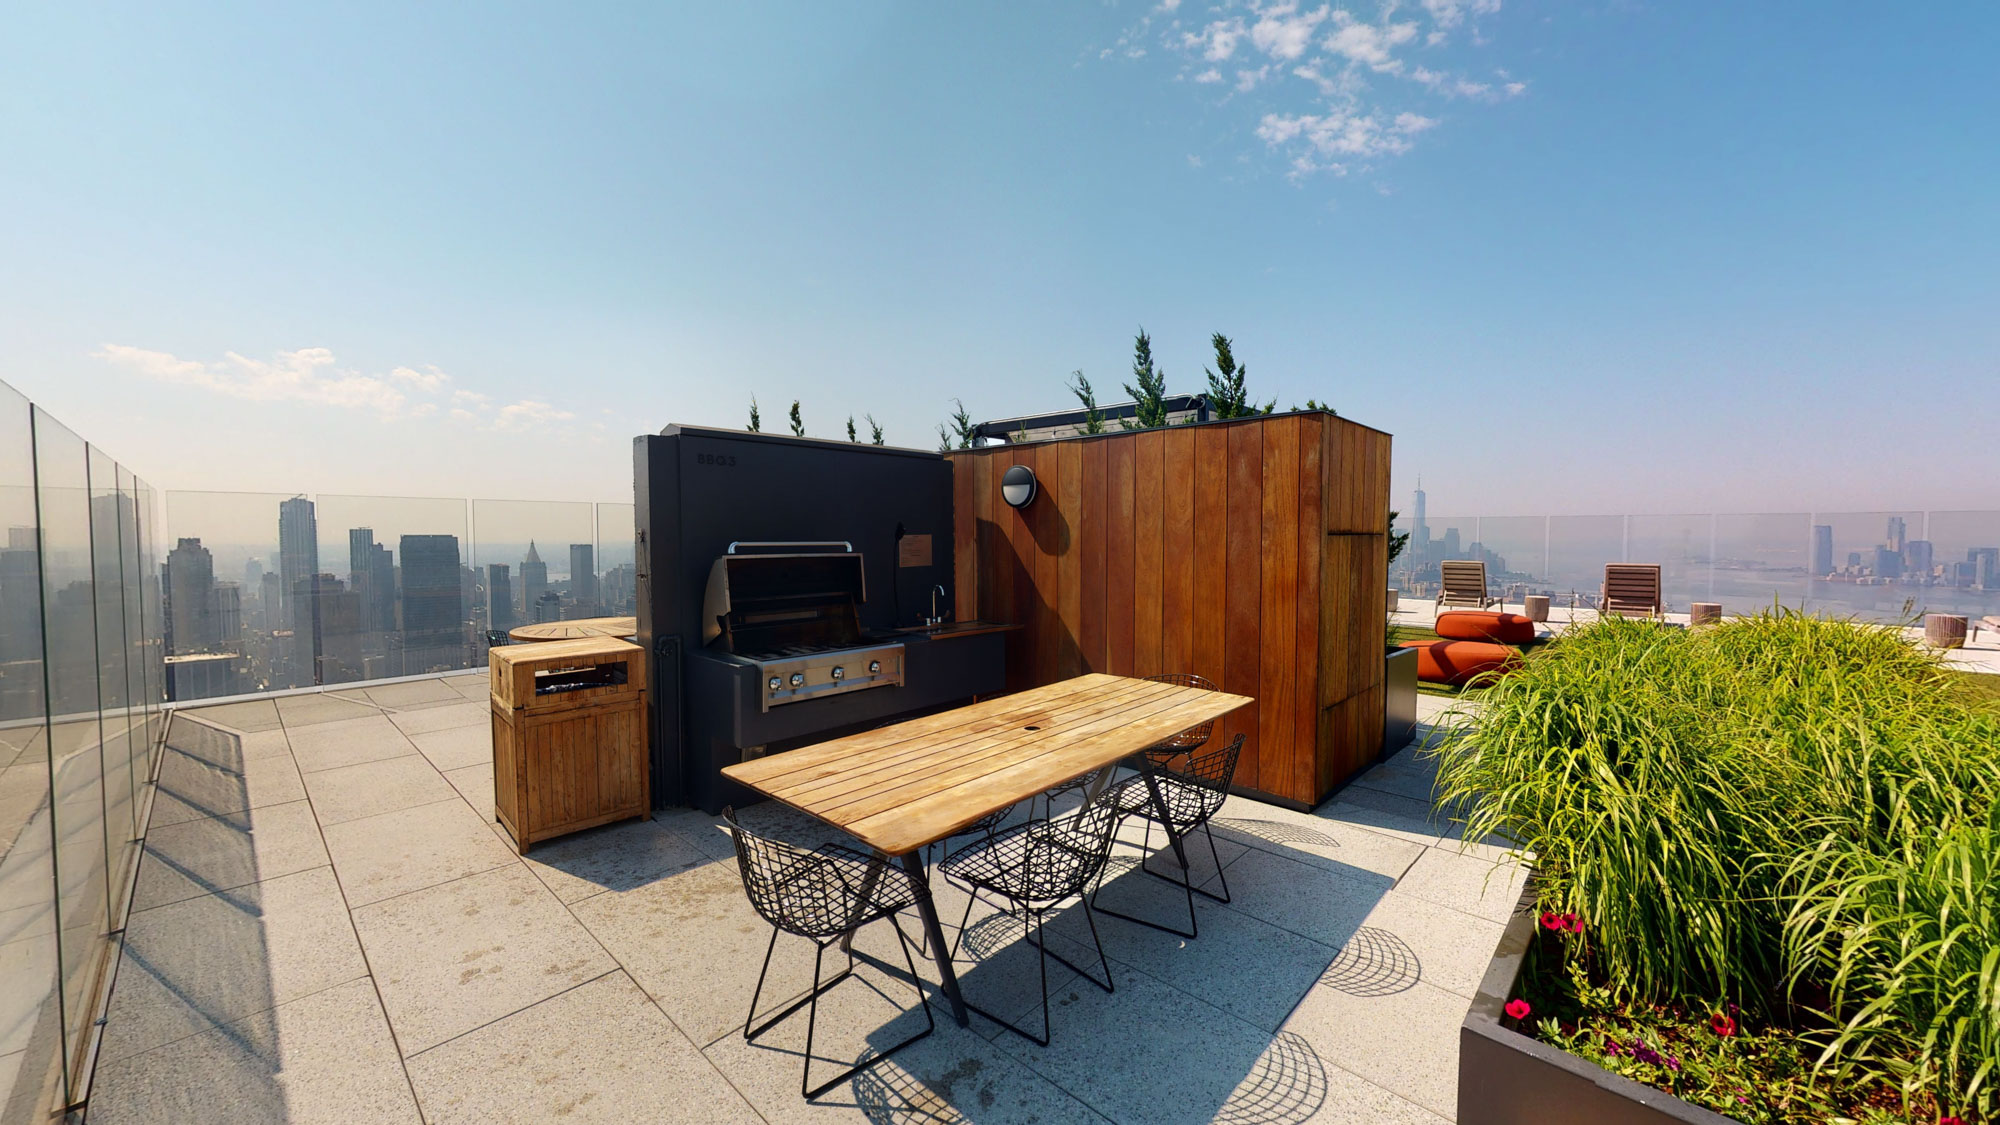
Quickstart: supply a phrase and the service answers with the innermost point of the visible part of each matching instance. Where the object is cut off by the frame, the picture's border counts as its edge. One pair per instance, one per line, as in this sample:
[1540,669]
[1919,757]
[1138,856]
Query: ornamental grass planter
[1507,1078]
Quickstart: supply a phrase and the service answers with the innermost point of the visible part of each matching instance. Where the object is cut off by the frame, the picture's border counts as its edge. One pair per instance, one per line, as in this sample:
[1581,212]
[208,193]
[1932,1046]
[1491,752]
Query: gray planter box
[1506,1078]
[1399,711]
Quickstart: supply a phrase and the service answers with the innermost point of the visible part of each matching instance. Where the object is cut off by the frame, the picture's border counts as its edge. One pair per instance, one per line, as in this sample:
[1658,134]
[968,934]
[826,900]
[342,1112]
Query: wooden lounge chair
[1464,584]
[1632,590]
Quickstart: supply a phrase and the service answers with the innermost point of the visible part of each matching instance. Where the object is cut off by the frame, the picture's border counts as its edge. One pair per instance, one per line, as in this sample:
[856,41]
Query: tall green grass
[1762,812]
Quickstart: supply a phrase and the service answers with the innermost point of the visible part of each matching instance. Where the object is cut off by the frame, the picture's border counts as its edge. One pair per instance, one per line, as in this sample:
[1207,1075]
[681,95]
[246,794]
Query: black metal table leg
[1166,822]
[934,934]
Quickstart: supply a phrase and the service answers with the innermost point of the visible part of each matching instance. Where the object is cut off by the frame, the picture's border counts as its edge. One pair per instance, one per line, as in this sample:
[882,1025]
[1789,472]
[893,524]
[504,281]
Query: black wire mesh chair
[1191,796]
[821,895]
[1161,753]
[1035,866]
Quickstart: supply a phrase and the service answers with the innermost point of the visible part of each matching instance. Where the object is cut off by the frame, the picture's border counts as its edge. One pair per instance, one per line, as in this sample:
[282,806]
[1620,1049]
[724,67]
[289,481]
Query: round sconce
[1018,487]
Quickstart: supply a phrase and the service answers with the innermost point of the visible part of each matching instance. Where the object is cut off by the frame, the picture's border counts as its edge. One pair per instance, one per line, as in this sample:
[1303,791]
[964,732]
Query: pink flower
[1518,1009]
[1573,922]
[1553,921]
[1951,1121]
[1722,1025]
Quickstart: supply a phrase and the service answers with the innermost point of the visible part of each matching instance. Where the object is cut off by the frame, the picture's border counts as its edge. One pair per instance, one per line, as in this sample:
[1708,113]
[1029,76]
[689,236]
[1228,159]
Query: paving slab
[953,1075]
[475,784]
[249,715]
[393,853]
[197,857]
[190,789]
[1470,883]
[308,710]
[1127,1054]
[456,747]
[453,957]
[413,694]
[1310,900]
[352,792]
[323,1059]
[1407,938]
[1320,842]
[220,746]
[1405,1042]
[447,716]
[195,965]
[616,857]
[600,1052]
[348,742]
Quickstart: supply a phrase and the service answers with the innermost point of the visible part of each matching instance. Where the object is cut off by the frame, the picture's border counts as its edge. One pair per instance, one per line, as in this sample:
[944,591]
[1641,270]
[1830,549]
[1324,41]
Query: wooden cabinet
[569,736]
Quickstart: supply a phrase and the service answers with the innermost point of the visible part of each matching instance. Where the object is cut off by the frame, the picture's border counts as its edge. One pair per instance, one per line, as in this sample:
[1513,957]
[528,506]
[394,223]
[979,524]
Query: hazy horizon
[1601,258]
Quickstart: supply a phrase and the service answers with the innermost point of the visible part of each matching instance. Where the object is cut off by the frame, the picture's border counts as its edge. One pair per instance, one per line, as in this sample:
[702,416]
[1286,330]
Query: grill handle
[841,543]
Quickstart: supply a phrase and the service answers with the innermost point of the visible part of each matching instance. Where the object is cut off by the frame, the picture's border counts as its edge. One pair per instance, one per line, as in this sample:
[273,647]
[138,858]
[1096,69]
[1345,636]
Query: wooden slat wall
[1250,552]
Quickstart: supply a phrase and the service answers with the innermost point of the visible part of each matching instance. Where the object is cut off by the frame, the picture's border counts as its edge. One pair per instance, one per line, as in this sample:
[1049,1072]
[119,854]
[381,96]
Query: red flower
[1951,1121]
[1722,1025]
[1573,923]
[1518,1009]
[1553,921]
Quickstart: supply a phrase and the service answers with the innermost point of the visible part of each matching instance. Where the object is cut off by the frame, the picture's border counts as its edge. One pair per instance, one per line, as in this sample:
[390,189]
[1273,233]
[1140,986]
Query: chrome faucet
[935,618]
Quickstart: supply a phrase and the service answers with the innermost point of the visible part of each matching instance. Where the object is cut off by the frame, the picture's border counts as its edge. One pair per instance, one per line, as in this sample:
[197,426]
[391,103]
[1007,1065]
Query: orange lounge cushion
[1473,625]
[1455,662]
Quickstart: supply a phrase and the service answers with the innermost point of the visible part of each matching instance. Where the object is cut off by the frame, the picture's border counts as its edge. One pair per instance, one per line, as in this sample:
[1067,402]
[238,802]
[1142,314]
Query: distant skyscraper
[548,607]
[534,580]
[433,624]
[1898,534]
[20,616]
[371,578]
[253,575]
[582,574]
[190,598]
[1822,550]
[1888,563]
[619,590]
[1985,567]
[228,615]
[499,597]
[298,567]
[1917,557]
[1451,548]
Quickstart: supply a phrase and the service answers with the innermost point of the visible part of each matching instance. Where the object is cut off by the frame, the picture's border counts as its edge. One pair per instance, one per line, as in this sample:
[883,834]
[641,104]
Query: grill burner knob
[798,678]
[839,673]
[775,683]
[874,667]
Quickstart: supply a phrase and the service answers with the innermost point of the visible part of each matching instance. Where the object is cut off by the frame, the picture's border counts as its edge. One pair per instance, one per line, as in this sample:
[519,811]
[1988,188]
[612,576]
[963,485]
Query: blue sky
[1576,257]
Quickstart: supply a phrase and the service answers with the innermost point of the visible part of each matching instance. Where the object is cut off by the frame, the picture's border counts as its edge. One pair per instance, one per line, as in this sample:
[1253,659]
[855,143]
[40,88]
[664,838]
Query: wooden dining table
[900,788]
[574,628]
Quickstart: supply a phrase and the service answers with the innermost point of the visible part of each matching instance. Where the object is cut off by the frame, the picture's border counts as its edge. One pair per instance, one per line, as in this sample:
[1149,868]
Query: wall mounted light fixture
[1018,487]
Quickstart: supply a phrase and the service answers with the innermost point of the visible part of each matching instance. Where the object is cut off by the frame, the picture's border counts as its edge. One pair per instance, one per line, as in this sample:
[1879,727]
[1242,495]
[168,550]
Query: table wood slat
[901,787]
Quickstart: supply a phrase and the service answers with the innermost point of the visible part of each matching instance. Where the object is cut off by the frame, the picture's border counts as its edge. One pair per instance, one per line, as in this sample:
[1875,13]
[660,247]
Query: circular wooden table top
[581,627]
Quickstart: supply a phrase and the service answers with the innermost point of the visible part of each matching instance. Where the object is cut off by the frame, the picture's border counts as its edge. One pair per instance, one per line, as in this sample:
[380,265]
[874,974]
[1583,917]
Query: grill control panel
[798,678]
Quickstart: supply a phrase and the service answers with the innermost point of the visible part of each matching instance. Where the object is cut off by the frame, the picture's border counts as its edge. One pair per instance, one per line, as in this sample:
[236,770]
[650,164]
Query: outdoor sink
[957,628]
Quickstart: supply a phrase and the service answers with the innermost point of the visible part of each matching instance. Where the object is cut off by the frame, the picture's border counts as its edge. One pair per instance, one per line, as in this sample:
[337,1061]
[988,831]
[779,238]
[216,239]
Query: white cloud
[1283,32]
[529,414]
[1335,90]
[313,377]
[1371,45]
[308,375]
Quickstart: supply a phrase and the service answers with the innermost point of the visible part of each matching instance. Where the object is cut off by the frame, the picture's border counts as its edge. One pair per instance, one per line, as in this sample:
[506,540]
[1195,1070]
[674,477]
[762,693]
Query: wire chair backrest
[1067,850]
[777,876]
[1193,736]
[1207,778]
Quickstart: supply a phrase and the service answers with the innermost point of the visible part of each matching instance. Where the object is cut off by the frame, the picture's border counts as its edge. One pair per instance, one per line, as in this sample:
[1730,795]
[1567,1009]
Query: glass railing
[274,591]
[1879,566]
[81,689]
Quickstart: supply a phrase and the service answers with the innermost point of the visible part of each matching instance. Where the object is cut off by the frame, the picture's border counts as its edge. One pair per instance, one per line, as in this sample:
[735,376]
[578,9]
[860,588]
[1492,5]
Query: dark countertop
[952,629]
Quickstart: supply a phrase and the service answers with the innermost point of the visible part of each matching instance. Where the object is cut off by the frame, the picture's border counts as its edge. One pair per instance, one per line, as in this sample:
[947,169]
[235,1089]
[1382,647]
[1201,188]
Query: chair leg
[1185,882]
[1107,984]
[806,1088]
[751,1034]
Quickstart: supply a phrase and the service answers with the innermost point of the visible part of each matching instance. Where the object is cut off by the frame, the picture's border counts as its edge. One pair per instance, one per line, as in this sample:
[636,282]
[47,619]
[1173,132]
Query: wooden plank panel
[1118,552]
[1243,596]
[1306,613]
[991,605]
[1278,550]
[1091,531]
[1211,547]
[1044,523]
[1069,457]
[1177,553]
[964,540]
[1021,670]
[1148,541]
